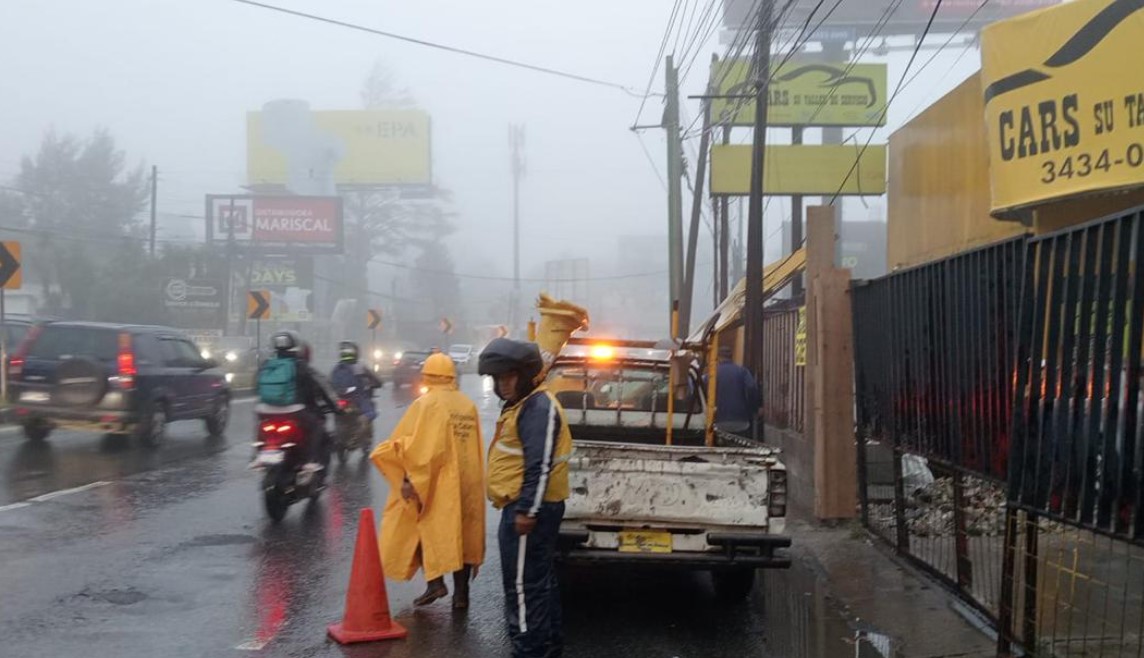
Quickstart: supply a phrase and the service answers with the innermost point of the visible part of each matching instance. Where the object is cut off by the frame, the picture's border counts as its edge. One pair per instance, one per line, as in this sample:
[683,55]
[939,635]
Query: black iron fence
[1075,523]
[934,348]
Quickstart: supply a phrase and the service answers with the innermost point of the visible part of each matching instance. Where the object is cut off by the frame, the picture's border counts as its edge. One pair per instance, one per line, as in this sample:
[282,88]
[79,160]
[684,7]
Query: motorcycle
[352,429]
[282,450]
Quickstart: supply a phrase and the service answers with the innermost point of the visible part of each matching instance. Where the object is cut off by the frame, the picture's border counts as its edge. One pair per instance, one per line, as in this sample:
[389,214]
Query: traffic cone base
[395,632]
[367,616]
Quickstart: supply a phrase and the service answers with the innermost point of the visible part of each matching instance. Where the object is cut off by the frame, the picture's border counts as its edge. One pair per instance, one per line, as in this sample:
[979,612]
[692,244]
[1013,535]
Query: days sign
[258,305]
[446,326]
[194,303]
[11,273]
[1064,103]
[803,93]
[373,319]
[904,16]
[280,273]
[288,144]
[800,170]
[276,224]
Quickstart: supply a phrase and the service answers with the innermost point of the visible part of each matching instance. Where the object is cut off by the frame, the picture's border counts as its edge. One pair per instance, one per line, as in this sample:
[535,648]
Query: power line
[440,46]
[886,110]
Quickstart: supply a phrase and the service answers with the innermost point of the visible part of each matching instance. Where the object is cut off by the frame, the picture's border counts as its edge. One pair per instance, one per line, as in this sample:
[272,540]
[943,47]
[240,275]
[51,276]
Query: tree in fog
[438,292]
[80,202]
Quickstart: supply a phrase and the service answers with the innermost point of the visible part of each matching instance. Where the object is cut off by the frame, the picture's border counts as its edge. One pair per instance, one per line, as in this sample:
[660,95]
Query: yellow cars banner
[789,170]
[301,149]
[1064,102]
[802,93]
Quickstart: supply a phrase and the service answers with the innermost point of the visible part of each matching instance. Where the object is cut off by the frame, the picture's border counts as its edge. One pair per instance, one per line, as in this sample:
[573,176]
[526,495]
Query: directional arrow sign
[446,326]
[373,319]
[258,305]
[11,276]
[502,331]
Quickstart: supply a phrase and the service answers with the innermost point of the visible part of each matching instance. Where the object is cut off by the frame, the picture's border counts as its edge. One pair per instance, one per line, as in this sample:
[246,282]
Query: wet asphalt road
[107,549]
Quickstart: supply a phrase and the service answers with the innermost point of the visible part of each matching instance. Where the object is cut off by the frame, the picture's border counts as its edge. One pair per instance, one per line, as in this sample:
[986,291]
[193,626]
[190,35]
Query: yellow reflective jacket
[437,445]
[528,458]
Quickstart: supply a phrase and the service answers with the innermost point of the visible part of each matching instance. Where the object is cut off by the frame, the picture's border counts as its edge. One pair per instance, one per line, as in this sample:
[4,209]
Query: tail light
[276,434]
[343,404]
[777,490]
[126,363]
[20,356]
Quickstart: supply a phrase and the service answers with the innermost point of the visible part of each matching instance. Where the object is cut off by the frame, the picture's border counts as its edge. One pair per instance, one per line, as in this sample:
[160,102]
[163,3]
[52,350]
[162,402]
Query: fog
[172,80]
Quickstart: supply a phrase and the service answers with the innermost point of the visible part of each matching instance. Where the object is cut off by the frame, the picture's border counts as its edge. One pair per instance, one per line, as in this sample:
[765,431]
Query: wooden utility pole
[154,195]
[725,234]
[687,299]
[796,215]
[674,188]
[753,313]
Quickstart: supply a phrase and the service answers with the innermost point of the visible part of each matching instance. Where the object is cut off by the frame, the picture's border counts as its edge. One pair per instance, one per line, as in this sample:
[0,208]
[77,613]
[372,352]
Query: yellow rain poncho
[437,446]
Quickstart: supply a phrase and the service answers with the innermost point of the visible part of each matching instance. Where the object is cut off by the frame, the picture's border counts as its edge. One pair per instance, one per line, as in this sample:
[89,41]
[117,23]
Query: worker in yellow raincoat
[434,519]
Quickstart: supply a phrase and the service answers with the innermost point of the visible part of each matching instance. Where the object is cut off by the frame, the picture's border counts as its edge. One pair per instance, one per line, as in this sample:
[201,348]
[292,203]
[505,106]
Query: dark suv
[117,379]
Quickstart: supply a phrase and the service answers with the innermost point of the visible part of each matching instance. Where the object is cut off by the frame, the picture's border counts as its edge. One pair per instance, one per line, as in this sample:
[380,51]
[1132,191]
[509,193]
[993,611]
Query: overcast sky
[172,80]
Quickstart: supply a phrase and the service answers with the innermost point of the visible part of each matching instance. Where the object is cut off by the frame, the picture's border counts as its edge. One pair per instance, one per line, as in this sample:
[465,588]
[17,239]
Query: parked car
[462,355]
[116,379]
[407,368]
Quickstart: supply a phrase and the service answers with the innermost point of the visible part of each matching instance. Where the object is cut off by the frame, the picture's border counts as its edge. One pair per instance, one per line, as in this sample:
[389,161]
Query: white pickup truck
[636,500]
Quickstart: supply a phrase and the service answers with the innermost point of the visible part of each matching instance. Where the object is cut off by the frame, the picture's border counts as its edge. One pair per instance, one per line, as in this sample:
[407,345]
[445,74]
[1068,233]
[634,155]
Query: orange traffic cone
[367,605]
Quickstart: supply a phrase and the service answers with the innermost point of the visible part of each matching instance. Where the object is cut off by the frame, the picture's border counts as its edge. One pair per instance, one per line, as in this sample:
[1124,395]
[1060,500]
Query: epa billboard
[297,225]
[308,151]
[909,16]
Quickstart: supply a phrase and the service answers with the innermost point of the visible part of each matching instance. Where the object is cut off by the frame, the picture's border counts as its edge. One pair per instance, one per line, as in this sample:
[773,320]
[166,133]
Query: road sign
[446,326]
[11,276]
[258,305]
[373,319]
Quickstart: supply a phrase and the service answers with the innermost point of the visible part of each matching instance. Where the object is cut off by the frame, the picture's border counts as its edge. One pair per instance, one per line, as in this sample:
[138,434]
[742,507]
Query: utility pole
[796,223]
[516,143]
[674,188]
[688,297]
[725,236]
[154,195]
[753,313]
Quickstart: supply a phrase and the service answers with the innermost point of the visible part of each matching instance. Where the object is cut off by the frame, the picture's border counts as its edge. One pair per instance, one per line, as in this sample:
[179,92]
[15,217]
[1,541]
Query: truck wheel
[733,585]
[36,431]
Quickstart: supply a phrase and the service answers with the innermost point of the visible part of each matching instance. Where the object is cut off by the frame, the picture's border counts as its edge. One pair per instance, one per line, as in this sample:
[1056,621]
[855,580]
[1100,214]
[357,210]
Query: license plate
[270,458]
[33,396]
[645,541]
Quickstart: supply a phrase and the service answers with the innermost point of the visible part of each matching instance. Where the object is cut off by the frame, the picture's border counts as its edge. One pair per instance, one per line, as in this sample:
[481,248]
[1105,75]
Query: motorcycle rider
[312,395]
[350,372]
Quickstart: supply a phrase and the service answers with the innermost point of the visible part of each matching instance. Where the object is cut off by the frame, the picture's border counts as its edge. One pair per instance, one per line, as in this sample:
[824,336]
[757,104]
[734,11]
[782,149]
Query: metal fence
[934,348]
[784,373]
[1074,550]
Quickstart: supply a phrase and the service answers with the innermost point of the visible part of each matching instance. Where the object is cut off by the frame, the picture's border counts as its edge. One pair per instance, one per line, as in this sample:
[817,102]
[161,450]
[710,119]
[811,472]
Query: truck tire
[733,585]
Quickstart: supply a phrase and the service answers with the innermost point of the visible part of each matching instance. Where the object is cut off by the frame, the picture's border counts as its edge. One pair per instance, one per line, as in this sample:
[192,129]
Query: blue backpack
[278,382]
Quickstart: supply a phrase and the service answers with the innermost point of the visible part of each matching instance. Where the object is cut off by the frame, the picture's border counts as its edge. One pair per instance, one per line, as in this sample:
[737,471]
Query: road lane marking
[43,498]
[252,645]
[5,508]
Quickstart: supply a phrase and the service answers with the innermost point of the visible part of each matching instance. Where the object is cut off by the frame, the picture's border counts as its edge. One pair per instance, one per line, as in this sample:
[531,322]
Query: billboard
[1064,103]
[290,282]
[194,303]
[909,16]
[803,93]
[306,151]
[814,170]
[276,224]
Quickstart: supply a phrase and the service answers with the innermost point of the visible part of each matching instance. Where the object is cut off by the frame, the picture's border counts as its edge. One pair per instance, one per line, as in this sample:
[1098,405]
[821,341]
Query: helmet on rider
[505,355]
[287,344]
[348,351]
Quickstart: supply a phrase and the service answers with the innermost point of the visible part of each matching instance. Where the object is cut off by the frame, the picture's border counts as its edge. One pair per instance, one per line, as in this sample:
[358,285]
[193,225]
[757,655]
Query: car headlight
[378,354]
[206,355]
[397,357]
[229,377]
[232,356]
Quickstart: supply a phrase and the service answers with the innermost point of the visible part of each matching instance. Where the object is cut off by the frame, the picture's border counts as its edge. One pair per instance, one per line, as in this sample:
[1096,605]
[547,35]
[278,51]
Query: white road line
[64,492]
[252,645]
[13,506]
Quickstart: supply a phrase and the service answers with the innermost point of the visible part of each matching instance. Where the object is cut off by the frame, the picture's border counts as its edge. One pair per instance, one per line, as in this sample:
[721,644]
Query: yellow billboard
[817,170]
[1064,103]
[802,93]
[287,144]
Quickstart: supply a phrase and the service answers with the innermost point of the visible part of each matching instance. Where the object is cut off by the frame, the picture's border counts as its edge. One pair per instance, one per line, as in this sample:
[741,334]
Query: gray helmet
[504,355]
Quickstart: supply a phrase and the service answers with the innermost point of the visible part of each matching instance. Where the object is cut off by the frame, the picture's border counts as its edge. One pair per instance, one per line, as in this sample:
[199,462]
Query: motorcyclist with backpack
[287,381]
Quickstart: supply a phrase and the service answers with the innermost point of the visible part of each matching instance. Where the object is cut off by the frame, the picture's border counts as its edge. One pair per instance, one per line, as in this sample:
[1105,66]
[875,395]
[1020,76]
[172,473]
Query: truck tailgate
[668,486]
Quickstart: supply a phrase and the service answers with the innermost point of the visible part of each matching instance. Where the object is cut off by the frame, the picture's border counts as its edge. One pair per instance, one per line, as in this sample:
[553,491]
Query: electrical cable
[440,46]
[656,62]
